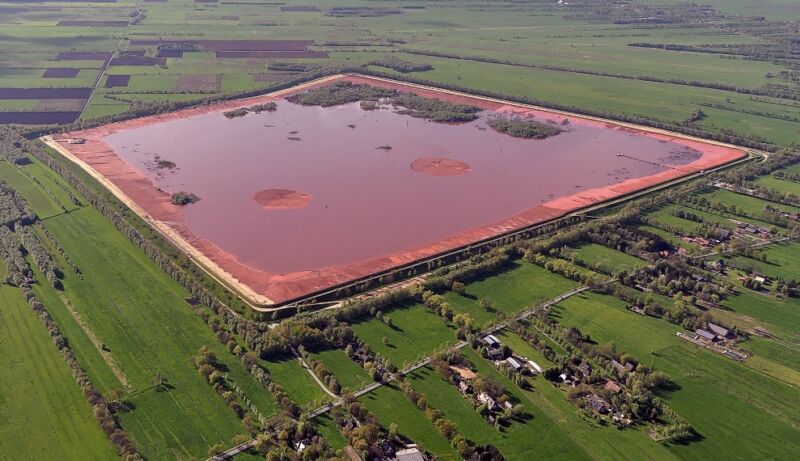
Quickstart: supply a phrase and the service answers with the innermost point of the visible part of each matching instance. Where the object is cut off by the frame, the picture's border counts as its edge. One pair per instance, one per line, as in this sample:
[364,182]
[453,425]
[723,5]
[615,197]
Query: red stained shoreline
[279,288]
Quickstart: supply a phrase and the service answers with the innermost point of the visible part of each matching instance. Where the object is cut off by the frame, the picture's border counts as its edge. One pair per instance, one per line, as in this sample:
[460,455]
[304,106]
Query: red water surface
[373,207]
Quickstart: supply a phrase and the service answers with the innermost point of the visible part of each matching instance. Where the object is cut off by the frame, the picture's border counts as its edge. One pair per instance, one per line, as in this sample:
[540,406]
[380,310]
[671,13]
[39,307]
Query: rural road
[233,451]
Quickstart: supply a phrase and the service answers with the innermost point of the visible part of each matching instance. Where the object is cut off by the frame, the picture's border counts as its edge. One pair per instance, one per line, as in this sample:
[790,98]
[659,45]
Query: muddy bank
[280,199]
[438,166]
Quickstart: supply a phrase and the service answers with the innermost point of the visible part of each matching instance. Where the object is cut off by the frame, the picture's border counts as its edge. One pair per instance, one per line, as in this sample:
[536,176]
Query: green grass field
[606,259]
[417,332]
[391,406]
[348,373]
[296,381]
[751,205]
[716,395]
[43,414]
[780,185]
[139,313]
[520,286]
[327,428]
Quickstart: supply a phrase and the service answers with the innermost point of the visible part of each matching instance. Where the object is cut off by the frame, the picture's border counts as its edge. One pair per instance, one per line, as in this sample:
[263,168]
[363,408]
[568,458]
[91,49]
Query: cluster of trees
[255,109]
[19,272]
[640,383]
[400,65]
[342,92]
[236,113]
[695,117]
[323,374]
[366,435]
[182,198]
[565,268]
[41,256]
[20,275]
[211,370]
[249,358]
[13,208]
[282,436]
[283,66]
[524,128]
[722,136]
[435,110]
[466,449]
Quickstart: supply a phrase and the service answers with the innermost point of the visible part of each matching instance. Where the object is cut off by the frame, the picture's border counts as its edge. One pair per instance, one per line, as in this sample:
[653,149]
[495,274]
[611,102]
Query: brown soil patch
[438,166]
[60,105]
[465,373]
[281,199]
[206,83]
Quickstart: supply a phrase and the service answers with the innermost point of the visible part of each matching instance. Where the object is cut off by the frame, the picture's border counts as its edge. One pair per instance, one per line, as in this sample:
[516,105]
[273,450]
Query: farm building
[410,454]
[705,334]
[718,330]
[492,341]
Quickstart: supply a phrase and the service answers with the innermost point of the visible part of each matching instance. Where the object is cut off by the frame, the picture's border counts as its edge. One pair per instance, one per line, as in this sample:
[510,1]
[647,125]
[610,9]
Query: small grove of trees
[524,128]
[466,449]
[400,65]
[182,198]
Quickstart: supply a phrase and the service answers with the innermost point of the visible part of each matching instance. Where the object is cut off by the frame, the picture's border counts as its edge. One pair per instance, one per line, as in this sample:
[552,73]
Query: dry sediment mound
[438,166]
[281,199]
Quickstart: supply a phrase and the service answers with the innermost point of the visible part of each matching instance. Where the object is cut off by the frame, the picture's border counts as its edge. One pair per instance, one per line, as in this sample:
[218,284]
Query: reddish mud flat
[372,209]
[440,166]
[276,199]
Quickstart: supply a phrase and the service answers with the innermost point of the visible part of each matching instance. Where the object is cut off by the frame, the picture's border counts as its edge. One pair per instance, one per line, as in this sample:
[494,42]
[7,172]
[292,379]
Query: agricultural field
[415,332]
[556,53]
[702,381]
[44,414]
[93,310]
[519,286]
[323,230]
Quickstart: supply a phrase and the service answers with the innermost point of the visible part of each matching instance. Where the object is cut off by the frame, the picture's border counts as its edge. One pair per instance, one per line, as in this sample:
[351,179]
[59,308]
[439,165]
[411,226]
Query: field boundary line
[106,355]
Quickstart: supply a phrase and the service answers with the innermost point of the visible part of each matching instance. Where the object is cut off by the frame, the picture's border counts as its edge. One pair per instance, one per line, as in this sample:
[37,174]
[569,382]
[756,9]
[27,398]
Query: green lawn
[390,406]
[780,185]
[43,414]
[416,333]
[348,373]
[326,426]
[738,412]
[521,286]
[296,381]
[751,205]
[37,198]
[607,259]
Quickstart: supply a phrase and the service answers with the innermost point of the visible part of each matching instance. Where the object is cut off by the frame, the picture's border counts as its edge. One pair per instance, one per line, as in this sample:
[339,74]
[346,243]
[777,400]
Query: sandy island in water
[281,199]
[438,166]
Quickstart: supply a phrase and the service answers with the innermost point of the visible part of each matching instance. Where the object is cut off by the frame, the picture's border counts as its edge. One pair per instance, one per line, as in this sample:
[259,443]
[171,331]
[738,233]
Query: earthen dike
[266,291]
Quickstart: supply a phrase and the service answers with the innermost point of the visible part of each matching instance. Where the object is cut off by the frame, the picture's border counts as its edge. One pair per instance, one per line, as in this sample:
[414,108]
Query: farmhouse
[535,367]
[597,404]
[613,386]
[718,330]
[514,364]
[585,369]
[492,341]
[705,334]
[410,454]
